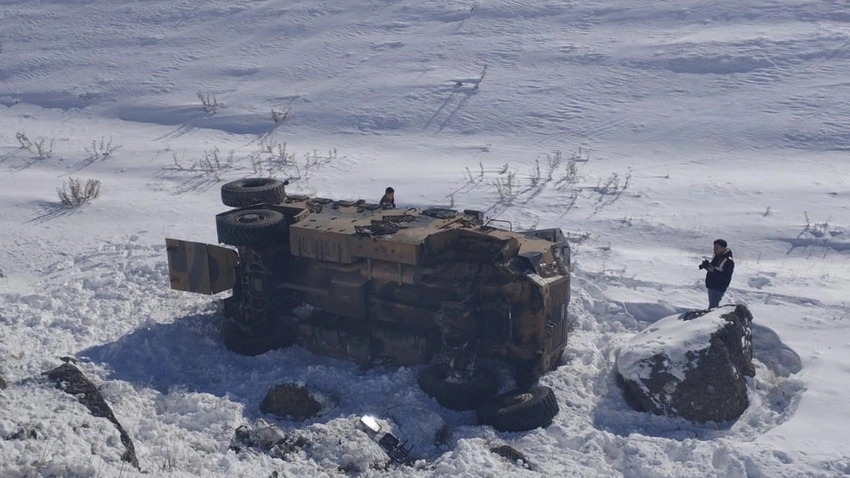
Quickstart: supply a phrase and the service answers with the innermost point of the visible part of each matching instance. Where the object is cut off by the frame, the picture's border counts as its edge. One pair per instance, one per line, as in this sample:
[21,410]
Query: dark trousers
[714,297]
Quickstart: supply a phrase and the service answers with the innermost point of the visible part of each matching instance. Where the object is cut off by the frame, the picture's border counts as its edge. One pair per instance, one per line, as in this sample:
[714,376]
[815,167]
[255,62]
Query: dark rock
[693,366]
[71,380]
[288,400]
[512,455]
[3,383]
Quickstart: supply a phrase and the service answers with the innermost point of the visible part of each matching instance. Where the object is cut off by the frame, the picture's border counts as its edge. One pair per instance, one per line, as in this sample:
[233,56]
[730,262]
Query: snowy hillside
[644,129]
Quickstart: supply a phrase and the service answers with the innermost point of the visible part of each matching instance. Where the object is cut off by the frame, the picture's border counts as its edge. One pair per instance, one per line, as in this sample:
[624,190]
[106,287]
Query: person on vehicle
[718,272]
[388,200]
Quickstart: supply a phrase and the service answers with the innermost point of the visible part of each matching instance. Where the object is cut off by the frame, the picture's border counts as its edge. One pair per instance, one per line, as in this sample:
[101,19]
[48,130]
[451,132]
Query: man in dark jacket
[718,272]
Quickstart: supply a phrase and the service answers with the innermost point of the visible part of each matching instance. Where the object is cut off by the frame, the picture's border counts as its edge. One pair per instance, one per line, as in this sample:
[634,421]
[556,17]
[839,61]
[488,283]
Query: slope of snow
[655,126]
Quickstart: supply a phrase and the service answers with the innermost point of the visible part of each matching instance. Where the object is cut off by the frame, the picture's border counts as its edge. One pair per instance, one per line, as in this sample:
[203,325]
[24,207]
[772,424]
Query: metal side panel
[198,267]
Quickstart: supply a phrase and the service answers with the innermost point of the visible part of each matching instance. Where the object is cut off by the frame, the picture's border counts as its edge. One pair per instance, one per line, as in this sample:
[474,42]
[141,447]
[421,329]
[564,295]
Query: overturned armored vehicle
[405,286]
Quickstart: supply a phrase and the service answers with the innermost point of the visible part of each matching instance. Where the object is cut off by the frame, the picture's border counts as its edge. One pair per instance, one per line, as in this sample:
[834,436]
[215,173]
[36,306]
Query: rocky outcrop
[692,365]
[71,380]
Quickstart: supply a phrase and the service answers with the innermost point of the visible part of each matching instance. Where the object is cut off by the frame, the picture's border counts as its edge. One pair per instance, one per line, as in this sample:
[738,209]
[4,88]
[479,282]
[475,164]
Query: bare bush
[272,159]
[40,147]
[570,175]
[102,149]
[818,230]
[209,102]
[481,78]
[475,82]
[507,187]
[550,169]
[818,235]
[209,165]
[276,160]
[553,161]
[280,116]
[313,161]
[75,193]
[611,190]
[535,174]
[613,185]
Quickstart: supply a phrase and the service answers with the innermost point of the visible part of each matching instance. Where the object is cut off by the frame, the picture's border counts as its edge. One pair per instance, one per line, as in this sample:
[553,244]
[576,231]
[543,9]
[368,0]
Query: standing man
[718,272]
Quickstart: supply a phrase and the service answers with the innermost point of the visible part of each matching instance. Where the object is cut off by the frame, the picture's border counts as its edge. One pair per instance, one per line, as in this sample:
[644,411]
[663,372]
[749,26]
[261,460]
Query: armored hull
[353,280]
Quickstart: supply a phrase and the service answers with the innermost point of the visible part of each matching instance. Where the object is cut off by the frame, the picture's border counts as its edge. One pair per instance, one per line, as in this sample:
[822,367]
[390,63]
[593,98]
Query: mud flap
[201,268]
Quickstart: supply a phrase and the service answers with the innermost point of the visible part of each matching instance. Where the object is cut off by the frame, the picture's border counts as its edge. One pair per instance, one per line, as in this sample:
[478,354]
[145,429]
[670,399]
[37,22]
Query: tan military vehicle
[405,286]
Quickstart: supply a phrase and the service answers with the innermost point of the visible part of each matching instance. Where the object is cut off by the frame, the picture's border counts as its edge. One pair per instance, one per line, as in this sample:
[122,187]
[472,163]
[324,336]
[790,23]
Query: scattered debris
[395,450]
[266,438]
[398,451]
[71,380]
[420,425]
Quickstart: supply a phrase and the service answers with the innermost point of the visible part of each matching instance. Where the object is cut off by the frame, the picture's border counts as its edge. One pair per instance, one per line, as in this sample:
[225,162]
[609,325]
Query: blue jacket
[722,275]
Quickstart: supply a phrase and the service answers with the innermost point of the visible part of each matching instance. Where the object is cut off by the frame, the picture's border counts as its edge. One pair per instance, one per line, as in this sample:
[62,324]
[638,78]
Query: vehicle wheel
[249,191]
[251,227]
[230,308]
[525,375]
[458,395]
[519,410]
[238,340]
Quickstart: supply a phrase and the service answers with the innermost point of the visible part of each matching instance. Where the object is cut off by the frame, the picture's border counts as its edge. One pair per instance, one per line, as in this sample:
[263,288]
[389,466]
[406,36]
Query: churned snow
[643,129]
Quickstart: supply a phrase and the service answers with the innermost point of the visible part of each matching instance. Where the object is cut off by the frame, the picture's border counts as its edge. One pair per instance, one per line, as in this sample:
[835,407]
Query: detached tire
[250,191]
[519,410]
[456,395]
[251,227]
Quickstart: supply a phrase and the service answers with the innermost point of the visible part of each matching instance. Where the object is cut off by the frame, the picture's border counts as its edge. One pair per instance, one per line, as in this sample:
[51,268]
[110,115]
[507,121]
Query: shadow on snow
[189,355]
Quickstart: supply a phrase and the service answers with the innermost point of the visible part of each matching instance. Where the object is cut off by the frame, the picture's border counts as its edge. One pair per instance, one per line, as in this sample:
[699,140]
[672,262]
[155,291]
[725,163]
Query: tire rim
[251,218]
[254,183]
[517,399]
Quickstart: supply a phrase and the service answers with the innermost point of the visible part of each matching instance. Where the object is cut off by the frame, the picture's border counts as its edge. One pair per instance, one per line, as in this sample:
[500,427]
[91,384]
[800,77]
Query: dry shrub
[75,193]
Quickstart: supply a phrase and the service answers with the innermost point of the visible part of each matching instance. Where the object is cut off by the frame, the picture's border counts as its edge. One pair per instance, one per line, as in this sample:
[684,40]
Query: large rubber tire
[517,411]
[458,395]
[274,337]
[250,191]
[251,227]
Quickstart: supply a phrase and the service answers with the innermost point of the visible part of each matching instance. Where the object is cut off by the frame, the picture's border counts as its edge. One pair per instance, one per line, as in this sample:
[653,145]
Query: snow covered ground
[644,129]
